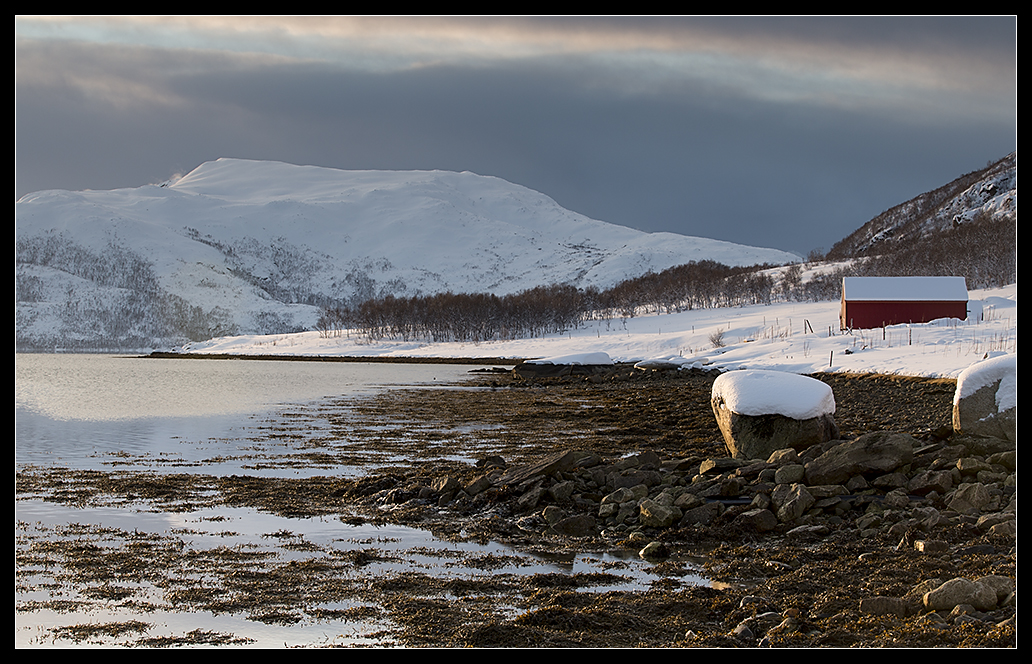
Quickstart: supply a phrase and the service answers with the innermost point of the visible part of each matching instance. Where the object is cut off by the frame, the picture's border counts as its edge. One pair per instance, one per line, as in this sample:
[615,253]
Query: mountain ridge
[258,246]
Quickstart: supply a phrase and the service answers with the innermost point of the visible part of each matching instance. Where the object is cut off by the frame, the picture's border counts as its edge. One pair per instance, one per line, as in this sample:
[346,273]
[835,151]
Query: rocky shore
[899,533]
[877,538]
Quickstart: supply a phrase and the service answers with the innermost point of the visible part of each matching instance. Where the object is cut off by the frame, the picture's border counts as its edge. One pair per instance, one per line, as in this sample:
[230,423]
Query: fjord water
[75,410]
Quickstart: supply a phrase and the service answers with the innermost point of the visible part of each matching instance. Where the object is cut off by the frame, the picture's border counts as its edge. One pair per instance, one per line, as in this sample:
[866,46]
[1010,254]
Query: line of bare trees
[547,309]
[460,317]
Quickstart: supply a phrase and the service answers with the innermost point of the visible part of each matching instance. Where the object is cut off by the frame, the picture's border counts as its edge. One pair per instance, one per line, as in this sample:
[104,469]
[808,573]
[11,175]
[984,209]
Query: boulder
[961,591]
[985,402]
[877,452]
[761,412]
[557,462]
[654,515]
[579,525]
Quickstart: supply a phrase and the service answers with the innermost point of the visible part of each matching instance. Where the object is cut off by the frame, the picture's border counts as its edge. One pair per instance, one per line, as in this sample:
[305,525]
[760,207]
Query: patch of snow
[675,362]
[576,358]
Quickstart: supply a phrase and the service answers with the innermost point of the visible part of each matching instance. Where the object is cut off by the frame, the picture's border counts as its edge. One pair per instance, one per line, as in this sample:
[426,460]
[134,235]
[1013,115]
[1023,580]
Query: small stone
[553,515]
[654,550]
[530,499]
[703,515]
[791,502]
[759,520]
[969,498]
[1003,585]
[791,473]
[580,525]
[751,600]
[478,485]
[783,456]
[1004,529]
[446,484]
[931,546]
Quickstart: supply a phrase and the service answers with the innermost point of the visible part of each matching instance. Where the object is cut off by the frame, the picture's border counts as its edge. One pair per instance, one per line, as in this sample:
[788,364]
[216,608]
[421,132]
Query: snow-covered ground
[793,337]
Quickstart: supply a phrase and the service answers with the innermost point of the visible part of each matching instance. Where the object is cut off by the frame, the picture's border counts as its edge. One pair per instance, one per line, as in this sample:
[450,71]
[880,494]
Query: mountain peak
[262,241]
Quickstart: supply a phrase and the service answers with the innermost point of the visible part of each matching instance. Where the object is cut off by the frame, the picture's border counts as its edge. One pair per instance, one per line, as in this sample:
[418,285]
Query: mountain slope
[983,195]
[242,246]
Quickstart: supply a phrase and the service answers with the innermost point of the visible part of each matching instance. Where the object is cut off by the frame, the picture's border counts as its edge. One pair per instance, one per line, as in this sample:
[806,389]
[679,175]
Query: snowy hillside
[793,337]
[979,197]
[247,247]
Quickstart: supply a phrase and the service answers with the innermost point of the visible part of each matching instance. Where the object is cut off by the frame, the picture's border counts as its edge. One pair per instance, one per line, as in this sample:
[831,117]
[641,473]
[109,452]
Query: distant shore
[494,361]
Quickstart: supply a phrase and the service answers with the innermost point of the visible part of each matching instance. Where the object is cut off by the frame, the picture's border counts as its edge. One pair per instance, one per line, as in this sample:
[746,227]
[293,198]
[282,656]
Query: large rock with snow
[760,412]
[986,399]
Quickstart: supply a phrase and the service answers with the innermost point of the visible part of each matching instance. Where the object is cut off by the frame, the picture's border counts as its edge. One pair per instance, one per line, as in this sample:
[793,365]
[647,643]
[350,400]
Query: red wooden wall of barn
[869,314]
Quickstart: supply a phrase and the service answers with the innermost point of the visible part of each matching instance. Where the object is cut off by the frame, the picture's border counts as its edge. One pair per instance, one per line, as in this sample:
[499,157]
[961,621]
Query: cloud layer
[785,133]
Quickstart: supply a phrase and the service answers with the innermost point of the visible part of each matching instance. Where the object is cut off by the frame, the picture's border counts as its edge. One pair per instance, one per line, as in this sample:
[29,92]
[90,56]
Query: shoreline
[495,361]
[492,361]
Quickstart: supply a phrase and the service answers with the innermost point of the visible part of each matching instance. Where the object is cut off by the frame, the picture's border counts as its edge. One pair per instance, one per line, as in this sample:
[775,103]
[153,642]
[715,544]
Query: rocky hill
[989,194]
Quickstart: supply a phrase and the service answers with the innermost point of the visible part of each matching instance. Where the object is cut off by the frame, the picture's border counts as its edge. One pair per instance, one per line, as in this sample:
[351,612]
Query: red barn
[869,302]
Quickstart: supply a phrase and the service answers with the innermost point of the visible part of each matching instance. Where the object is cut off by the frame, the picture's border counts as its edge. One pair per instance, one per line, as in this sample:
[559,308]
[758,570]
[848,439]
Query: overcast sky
[776,132]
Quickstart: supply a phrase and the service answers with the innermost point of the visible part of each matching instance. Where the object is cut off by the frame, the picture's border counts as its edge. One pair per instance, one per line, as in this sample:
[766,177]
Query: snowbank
[759,392]
[792,337]
[675,362]
[576,358]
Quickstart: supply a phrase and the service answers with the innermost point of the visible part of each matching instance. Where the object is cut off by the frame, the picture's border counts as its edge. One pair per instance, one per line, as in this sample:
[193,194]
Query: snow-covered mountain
[983,195]
[239,246]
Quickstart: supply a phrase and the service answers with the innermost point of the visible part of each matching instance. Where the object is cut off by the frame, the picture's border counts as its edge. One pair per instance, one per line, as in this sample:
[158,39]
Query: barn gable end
[869,302]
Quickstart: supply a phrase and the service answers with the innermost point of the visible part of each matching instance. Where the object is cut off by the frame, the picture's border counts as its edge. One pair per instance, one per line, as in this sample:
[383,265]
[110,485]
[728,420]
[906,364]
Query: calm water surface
[78,410]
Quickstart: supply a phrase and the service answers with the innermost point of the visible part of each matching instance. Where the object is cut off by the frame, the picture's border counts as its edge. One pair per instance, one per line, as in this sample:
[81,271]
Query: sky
[779,132]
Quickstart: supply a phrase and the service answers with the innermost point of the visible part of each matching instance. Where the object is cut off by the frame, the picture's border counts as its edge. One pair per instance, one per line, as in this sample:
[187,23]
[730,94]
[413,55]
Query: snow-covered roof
[949,289]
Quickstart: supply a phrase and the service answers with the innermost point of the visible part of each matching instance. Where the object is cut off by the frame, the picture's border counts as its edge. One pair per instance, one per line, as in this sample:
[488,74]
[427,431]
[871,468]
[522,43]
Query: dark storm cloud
[647,142]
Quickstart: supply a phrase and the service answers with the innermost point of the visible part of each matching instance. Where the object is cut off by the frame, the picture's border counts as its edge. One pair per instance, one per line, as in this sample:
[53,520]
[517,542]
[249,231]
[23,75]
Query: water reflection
[118,388]
[89,411]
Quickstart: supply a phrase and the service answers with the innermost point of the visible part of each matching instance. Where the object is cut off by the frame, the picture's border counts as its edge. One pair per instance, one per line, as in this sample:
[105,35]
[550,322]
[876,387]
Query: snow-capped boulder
[672,363]
[985,402]
[760,412]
